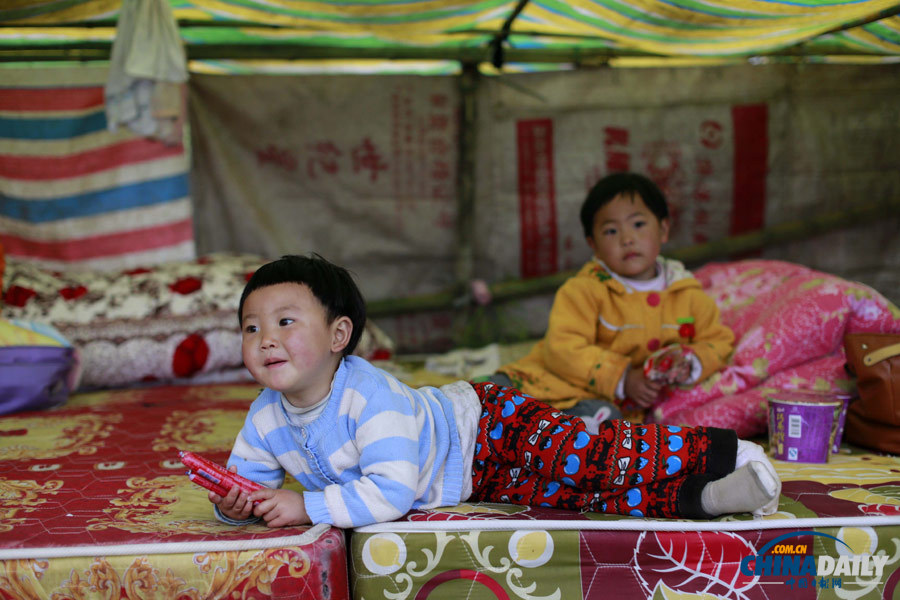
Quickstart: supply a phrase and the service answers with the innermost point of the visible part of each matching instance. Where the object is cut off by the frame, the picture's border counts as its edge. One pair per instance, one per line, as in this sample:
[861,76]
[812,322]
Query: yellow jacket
[598,328]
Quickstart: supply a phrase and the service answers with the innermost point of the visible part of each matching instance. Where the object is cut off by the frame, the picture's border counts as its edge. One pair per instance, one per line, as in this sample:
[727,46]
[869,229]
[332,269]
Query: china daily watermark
[782,557]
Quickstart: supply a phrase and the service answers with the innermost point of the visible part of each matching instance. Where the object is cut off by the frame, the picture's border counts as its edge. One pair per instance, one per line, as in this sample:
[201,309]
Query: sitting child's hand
[280,508]
[669,365]
[641,390]
[236,505]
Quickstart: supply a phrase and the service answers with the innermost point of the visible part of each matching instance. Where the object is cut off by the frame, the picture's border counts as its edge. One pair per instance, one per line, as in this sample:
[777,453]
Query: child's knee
[594,411]
[501,379]
[601,410]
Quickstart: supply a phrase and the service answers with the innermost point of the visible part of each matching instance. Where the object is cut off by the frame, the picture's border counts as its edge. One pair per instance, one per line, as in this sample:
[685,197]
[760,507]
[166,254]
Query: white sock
[750,488]
[747,452]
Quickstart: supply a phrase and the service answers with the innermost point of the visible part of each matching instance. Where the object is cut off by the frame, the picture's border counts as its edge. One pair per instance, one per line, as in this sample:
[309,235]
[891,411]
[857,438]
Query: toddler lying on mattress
[368,448]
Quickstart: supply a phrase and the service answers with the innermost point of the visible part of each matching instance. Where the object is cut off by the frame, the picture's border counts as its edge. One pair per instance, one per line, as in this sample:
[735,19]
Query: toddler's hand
[640,389]
[280,508]
[236,505]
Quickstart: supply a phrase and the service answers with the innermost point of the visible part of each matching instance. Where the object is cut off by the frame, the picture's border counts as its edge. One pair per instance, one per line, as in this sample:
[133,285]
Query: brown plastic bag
[873,421]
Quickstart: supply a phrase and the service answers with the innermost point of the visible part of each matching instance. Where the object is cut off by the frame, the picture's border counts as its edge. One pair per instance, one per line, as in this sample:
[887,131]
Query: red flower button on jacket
[686,328]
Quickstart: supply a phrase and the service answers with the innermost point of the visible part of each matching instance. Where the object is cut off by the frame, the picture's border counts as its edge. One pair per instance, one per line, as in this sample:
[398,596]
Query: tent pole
[465,211]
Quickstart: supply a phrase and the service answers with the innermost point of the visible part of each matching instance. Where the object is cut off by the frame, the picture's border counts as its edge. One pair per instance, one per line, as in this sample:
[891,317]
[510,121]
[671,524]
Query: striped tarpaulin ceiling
[535,31]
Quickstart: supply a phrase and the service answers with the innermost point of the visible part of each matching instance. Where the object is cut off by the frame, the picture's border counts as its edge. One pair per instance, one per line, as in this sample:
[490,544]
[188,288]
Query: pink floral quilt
[789,323]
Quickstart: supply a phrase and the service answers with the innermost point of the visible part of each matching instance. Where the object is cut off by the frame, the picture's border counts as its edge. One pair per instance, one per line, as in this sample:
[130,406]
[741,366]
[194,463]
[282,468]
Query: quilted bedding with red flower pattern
[789,324]
[171,322]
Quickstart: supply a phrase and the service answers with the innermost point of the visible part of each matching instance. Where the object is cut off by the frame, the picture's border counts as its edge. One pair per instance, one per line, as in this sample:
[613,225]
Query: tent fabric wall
[360,169]
[669,124]
[735,149]
[74,195]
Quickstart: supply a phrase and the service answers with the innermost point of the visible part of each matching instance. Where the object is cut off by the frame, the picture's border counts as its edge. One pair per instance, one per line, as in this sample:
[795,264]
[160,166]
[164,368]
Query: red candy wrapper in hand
[669,365]
[215,477]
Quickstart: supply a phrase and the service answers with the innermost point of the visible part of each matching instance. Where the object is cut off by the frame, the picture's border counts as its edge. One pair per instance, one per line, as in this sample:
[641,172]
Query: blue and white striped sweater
[377,450]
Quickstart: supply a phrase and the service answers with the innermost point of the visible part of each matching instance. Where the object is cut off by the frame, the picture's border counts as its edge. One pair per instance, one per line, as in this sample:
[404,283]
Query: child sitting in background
[368,448]
[624,305]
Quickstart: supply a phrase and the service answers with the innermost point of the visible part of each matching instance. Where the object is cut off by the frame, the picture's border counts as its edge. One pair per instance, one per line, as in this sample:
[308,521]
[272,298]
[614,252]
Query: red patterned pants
[528,453]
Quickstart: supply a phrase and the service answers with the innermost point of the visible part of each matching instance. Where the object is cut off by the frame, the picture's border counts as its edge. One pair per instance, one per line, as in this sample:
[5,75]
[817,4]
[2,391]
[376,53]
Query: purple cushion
[33,377]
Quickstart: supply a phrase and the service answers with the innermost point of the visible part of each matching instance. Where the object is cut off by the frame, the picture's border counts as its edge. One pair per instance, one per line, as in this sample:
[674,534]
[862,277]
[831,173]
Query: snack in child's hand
[215,477]
[669,365]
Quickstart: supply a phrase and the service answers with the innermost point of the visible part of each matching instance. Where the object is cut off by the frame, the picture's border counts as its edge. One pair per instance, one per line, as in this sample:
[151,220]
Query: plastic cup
[805,426]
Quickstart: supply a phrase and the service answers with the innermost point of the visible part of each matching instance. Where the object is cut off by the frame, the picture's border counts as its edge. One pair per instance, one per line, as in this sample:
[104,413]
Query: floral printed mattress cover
[847,510]
[95,503]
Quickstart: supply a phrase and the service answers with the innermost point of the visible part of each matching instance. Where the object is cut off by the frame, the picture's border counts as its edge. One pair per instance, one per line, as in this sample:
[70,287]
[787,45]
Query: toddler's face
[287,342]
[627,237]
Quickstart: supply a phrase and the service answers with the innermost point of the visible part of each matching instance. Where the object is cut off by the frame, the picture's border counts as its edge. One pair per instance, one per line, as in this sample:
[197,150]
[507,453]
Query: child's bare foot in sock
[753,487]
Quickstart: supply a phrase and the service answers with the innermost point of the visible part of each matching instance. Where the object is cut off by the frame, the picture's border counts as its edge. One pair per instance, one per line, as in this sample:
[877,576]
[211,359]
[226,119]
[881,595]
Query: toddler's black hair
[622,183]
[332,285]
